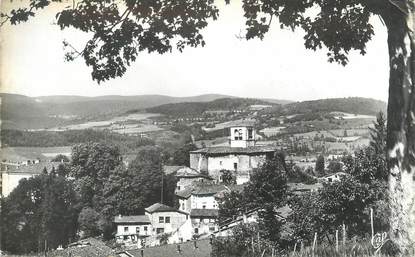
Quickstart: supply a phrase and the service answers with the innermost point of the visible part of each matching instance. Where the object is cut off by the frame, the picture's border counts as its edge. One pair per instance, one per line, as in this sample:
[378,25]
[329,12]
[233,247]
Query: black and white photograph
[207,128]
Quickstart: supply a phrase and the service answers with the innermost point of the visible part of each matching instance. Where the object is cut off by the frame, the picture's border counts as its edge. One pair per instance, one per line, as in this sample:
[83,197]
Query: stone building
[240,157]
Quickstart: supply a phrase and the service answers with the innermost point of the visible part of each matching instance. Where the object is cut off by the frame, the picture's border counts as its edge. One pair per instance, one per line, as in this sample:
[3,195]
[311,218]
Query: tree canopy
[120,30]
[39,209]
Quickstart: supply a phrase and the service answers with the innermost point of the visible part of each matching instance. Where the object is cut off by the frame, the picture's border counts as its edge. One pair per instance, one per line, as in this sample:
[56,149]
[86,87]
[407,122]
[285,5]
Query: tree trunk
[401,126]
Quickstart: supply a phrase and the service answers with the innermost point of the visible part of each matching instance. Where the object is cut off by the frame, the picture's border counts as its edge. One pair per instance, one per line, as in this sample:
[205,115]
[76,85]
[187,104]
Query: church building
[240,157]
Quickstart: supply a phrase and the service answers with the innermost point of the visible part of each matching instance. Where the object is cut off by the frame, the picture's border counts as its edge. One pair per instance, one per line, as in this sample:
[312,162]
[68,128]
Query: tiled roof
[208,189]
[204,213]
[132,219]
[168,169]
[85,248]
[187,249]
[159,207]
[186,193]
[235,150]
[234,188]
[186,172]
[36,168]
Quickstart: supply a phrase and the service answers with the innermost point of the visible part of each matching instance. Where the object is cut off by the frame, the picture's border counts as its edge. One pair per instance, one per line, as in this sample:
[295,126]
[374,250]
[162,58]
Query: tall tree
[320,166]
[91,166]
[378,134]
[39,209]
[146,178]
[122,29]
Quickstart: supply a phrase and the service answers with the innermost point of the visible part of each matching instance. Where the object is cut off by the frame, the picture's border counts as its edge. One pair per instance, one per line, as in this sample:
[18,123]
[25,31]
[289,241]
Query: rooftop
[187,249]
[85,248]
[170,169]
[186,193]
[208,213]
[159,207]
[218,150]
[132,219]
[36,168]
[206,188]
[186,172]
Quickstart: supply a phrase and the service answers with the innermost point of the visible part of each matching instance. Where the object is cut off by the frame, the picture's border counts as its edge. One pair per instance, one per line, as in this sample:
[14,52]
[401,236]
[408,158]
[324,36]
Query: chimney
[142,252]
[178,249]
[195,244]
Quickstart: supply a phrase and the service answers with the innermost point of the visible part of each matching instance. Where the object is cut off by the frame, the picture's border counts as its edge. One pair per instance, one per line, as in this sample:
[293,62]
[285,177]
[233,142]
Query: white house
[132,229]
[165,219]
[11,176]
[204,221]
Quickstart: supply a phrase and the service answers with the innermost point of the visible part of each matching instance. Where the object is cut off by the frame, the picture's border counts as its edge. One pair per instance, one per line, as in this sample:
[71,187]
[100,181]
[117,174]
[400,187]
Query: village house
[187,176]
[204,221]
[132,229]
[165,219]
[145,230]
[240,157]
[11,175]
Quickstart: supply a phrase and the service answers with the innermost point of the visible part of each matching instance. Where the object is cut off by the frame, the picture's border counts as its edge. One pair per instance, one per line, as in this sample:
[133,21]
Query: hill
[23,112]
[198,108]
[353,105]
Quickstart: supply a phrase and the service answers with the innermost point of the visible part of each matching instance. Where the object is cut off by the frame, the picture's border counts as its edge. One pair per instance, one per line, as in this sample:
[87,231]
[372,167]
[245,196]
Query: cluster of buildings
[13,172]
[199,189]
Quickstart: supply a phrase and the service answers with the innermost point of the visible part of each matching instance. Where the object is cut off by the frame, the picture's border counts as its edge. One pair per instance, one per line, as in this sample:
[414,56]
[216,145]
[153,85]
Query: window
[240,134]
[145,228]
[160,230]
[161,219]
[250,133]
[236,134]
[235,166]
[220,163]
[125,237]
[167,220]
[196,231]
[183,206]
[125,229]
[204,206]
[178,188]
[201,219]
[137,230]
[211,229]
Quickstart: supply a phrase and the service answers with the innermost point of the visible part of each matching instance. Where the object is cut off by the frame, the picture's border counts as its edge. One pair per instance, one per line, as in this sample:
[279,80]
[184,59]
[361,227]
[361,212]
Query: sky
[32,63]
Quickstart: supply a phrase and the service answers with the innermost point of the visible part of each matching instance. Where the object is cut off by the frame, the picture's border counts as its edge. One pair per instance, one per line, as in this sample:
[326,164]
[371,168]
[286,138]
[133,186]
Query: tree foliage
[266,191]
[268,184]
[42,208]
[91,166]
[378,134]
[346,202]
[320,166]
[181,156]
